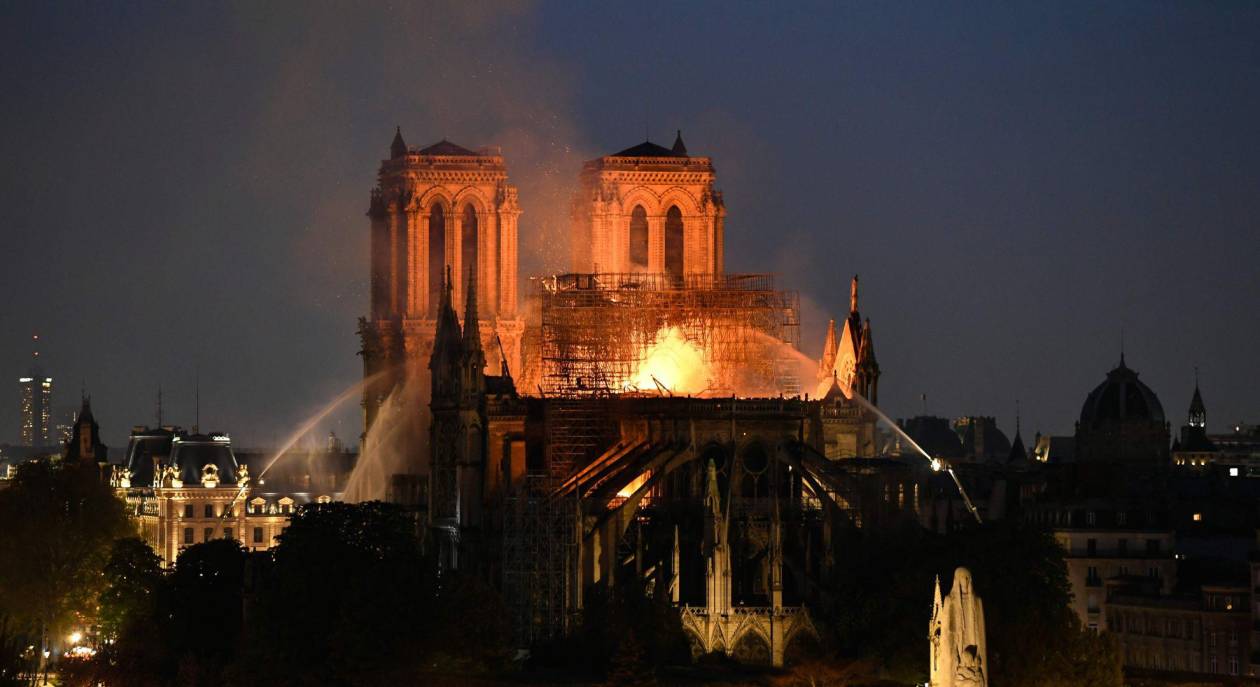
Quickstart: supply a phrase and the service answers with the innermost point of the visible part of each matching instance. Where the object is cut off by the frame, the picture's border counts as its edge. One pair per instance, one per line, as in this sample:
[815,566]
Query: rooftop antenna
[1121,346]
[923,397]
[1017,417]
[159,406]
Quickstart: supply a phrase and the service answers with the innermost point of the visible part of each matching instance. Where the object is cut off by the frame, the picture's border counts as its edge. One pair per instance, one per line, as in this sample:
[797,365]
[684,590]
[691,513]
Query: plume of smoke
[397,442]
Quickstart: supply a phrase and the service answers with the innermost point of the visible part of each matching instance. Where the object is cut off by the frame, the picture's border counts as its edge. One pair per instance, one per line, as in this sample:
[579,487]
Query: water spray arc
[807,365]
[937,464]
[302,430]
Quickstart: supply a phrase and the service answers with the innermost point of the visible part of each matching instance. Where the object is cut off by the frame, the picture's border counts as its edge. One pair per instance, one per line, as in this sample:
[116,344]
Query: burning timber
[599,333]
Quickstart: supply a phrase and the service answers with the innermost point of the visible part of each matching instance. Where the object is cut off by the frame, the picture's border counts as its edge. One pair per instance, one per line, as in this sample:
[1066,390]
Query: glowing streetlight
[75,637]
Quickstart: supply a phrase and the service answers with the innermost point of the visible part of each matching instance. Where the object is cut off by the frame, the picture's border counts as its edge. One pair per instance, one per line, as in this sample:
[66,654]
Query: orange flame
[676,362]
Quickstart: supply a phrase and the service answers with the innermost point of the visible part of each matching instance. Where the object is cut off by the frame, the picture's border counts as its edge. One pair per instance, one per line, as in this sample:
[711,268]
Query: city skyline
[1065,193]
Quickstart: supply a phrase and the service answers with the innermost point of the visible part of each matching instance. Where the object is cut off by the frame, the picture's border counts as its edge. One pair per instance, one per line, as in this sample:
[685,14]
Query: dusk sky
[184,188]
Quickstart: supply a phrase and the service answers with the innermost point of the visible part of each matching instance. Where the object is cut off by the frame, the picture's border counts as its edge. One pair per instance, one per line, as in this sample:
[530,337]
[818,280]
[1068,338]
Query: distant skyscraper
[36,394]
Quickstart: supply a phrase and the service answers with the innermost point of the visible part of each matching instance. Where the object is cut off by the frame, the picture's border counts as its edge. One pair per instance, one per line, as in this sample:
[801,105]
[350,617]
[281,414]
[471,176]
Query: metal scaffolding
[539,560]
[597,329]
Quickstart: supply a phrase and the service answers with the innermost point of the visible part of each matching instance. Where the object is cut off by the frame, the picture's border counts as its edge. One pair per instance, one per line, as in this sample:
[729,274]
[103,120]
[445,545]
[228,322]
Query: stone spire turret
[826,366]
[1198,411]
[679,147]
[398,148]
[472,328]
[448,346]
[473,358]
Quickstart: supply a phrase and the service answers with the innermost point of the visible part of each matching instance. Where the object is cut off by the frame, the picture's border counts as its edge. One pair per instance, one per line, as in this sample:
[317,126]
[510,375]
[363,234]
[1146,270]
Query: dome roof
[1122,397]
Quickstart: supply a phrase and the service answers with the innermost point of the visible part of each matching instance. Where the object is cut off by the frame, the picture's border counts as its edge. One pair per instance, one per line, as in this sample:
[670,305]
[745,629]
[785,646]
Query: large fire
[676,363]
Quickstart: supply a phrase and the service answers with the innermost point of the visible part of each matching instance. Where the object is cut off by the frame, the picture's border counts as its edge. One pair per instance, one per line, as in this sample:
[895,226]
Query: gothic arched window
[468,242]
[437,255]
[674,241]
[638,237]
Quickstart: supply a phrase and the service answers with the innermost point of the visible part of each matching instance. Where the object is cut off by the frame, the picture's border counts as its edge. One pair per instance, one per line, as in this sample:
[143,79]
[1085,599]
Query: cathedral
[438,209]
[645,419]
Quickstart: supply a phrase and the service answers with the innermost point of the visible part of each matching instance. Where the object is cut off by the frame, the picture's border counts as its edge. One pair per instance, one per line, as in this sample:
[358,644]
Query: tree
[133,582]
[60,522]
[883,580]
[205,602]
[348,594]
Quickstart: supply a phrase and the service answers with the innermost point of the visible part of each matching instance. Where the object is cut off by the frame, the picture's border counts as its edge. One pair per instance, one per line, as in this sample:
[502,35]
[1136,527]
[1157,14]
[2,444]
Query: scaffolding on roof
[539,560]
[596,330]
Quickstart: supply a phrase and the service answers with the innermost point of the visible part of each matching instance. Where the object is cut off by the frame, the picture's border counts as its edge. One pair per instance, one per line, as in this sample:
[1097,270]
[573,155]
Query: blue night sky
[184,188]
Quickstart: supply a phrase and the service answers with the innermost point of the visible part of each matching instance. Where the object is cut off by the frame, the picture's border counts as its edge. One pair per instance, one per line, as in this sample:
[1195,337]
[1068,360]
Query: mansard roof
[445,147]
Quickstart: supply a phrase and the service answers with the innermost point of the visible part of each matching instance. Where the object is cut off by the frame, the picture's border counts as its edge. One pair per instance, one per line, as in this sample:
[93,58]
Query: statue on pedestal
[956,633]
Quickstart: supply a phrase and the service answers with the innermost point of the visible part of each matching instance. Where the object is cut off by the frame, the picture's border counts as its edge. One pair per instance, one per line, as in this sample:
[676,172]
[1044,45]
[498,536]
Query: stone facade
[437,209]
[648,209]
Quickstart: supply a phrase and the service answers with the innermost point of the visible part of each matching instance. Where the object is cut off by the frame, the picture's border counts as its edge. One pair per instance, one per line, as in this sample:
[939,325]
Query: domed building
[1122,421]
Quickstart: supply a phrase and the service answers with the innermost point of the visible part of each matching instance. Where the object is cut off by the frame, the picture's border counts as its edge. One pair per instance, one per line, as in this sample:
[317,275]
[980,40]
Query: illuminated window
[1198,517]
[1233,472]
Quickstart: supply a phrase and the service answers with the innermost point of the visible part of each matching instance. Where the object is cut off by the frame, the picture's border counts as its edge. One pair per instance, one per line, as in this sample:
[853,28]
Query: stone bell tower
[438,208]
[648,209]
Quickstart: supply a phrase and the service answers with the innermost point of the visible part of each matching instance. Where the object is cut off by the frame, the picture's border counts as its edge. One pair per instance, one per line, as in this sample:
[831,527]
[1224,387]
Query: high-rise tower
[439,208]
[36,395]
[648,209]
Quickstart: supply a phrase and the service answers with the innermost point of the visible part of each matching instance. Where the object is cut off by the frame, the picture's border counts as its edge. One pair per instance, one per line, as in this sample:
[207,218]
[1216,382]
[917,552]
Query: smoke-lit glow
[676,362]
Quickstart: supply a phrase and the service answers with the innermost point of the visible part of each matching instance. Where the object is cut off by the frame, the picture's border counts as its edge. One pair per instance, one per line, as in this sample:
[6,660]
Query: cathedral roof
[1121,398]
[650,149]
[445,147]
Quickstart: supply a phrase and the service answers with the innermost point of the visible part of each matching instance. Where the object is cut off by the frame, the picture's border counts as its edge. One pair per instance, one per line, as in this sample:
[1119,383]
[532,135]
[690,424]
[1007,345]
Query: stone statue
[242,476]
[210,475]
[956,633]
[170,477]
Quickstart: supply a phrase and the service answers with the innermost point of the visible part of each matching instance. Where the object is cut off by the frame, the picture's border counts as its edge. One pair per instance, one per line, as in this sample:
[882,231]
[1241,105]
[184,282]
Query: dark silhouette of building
[85,445]
[1122,422]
